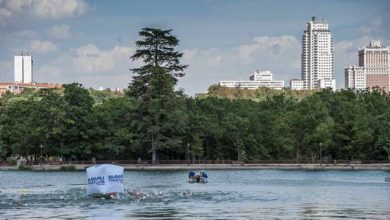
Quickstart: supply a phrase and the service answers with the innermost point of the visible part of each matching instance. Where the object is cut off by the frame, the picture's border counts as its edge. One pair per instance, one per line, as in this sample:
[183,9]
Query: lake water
[229,194]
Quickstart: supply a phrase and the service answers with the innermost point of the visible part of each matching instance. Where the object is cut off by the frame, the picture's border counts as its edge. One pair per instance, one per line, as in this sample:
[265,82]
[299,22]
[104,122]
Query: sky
[91,42]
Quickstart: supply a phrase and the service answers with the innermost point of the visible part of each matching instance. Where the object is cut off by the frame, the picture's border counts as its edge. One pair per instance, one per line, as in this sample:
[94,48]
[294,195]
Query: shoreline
[173,167]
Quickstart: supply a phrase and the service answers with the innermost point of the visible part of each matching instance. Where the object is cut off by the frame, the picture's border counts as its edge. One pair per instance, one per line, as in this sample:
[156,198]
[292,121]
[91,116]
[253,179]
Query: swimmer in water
[187,194]
[136,194]
[112,195]
[19,202]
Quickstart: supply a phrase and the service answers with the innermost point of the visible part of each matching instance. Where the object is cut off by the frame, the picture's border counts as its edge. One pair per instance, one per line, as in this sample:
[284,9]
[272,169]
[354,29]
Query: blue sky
[91,41]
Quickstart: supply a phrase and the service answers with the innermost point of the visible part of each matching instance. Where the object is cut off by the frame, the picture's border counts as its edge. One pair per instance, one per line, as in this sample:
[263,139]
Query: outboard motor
[104,180]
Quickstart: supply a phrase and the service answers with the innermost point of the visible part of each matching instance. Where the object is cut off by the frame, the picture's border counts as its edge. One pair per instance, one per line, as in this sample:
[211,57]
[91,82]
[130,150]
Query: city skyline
[91,41]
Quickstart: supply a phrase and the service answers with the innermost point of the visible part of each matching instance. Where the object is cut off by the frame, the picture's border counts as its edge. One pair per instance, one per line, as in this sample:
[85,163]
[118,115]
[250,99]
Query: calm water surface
[229,194]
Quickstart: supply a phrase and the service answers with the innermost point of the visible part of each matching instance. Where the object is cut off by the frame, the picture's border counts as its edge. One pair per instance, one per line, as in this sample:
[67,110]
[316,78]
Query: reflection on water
[228,195]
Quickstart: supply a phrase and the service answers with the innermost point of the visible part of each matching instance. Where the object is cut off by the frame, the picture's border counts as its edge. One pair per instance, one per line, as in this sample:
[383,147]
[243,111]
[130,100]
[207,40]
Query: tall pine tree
[156,118]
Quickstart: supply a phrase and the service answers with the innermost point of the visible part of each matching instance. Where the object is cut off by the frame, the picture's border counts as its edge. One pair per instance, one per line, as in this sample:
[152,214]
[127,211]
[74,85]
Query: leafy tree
[236,128]
[275,132]
[115,137]
[157,48]
[384,137]
[159,114]
[78,131]
[352,131]
[313,127]
[49,118]
[159,120]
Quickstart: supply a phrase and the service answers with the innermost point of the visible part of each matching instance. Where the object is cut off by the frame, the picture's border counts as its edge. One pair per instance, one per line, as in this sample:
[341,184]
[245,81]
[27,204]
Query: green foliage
[69,123]
[260,94]
[160,117]
[157,48]
[99,97]
[78,128]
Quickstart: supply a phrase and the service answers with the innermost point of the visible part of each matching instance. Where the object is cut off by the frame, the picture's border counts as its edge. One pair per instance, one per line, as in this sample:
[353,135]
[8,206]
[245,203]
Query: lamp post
[321,153]
[41,146]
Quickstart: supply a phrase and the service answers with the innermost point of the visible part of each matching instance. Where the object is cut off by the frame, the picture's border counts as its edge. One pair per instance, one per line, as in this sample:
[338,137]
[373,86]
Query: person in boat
[198,178]
[191,175]
[203,175]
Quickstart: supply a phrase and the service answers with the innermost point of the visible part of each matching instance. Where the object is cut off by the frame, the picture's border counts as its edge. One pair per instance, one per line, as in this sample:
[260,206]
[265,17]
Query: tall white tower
[23,68]
[317,56]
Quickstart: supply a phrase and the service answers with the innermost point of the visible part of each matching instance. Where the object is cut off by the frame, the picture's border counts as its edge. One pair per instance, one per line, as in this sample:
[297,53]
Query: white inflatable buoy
[105,179]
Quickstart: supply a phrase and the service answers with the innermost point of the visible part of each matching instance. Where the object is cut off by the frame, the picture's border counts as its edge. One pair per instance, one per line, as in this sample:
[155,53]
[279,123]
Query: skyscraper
[23,68]
[373,69]
[317,56]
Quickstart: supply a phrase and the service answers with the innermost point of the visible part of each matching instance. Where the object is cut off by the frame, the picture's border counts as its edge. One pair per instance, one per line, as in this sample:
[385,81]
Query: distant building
[117,90]
[23,66]
[327,84]
[260,78]
[317,55]
[373,69]
[16,88]
[296,84]
[23,77]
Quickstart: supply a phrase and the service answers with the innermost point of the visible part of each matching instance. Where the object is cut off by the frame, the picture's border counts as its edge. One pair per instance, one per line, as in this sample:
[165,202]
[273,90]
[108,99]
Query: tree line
[154,121]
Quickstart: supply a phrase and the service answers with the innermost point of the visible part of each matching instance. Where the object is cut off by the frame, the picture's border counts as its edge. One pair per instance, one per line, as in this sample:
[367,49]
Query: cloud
[18,6]
[90,65]
[373,27]
[208,57]
[25,34]
[91,59]
[59,9]
[4,15]
[43,9]
[60,31]
[271,46]
[42,47]
[209,66]
[6,71]
[50,71]
[15,40]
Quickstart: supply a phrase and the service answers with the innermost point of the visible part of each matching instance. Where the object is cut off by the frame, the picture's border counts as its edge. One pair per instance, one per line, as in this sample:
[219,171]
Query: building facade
[317,55]
[296,84]
[260,78]
[327,84]
[373,69]
[23,66]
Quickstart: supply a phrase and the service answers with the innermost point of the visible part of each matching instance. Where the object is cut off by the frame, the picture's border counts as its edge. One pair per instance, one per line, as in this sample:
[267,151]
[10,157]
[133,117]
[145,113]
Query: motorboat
[200,177]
